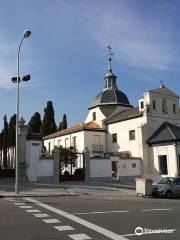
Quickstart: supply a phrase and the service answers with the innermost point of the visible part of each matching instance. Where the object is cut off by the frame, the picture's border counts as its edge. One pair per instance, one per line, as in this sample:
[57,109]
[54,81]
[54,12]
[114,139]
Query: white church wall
[89,142]
[99,116]
[67,141]
[123,142]
[170,152]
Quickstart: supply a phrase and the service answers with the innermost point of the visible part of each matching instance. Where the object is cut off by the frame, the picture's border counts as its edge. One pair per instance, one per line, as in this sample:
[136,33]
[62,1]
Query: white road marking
[32,210]
[25,207]
[157,209]
[19,203]
[39,215]
[78,220]
[51,221]
[10,199]
[86,213]
[64,228]
[81,236]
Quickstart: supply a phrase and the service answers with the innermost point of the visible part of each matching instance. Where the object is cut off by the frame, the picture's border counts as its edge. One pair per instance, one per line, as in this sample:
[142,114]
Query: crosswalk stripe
[33,210]
[25,207]
[64,228]
[41,215]
[51,221]
[80,236]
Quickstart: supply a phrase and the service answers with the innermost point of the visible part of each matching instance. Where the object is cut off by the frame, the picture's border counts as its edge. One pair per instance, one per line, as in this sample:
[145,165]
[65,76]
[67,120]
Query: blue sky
[66,54]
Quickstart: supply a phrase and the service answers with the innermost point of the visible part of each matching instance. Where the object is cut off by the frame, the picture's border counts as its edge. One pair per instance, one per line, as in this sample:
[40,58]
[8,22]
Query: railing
[97,148]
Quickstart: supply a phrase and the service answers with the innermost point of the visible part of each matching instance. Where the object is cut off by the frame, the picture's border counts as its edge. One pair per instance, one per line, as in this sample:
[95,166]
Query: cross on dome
[110,53]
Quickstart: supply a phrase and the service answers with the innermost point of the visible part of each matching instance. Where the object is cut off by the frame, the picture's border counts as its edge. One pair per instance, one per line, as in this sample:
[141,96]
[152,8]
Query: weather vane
[110,53]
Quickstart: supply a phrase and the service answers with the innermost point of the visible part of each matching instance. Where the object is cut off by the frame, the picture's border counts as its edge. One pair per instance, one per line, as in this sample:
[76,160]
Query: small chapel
[149,133]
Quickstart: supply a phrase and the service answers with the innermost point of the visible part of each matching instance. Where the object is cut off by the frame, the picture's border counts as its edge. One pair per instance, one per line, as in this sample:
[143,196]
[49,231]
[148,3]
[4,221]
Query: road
[95,214]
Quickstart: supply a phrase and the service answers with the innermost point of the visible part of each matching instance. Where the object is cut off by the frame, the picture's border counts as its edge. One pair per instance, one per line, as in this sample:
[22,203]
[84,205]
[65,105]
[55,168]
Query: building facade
[113,127]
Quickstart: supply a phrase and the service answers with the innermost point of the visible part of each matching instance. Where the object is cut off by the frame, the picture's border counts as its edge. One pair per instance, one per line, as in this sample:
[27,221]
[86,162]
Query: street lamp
[17,81]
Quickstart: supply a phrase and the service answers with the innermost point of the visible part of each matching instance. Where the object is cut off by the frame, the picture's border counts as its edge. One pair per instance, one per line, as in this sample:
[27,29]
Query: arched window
[154,105]
[164,106]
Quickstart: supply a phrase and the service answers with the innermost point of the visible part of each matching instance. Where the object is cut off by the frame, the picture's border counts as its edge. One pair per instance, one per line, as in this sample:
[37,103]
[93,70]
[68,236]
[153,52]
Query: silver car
[167,187]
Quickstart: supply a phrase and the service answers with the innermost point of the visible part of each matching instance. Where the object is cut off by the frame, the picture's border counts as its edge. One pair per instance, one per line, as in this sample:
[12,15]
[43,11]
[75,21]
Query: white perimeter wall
[36,167]
[103,167]
[100,168]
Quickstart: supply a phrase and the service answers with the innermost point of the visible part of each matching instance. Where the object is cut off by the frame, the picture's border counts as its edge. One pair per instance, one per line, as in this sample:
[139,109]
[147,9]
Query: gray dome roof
[110,97]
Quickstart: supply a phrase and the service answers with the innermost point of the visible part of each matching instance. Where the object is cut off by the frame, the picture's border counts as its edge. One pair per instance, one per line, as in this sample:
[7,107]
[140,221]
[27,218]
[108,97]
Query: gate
[71,166]
[7,163]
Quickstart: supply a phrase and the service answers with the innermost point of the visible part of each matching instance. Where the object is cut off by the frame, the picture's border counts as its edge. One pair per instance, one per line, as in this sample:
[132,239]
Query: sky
[67,55]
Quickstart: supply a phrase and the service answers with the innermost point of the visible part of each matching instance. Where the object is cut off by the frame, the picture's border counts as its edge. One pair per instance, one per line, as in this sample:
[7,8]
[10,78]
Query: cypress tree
[48,124]
[63,124]
[12,131]
[34,125]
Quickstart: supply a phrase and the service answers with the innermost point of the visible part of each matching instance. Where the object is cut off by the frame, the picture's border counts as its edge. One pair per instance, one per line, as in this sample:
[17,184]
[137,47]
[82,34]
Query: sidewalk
[7,188]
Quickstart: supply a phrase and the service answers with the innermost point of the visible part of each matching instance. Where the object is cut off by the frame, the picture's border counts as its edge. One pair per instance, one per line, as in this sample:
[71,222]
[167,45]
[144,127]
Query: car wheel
[169,194]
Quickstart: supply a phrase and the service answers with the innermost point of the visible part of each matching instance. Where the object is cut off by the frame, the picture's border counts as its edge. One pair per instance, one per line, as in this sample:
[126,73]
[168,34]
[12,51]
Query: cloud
[137,39]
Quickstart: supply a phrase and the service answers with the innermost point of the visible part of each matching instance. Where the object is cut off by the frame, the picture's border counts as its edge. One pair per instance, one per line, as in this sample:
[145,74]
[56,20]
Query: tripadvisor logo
[139,231]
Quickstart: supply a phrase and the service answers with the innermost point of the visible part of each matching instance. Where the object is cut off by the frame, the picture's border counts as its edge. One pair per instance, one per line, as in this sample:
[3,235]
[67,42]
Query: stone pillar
[22,150]
[87,164]
[56,164]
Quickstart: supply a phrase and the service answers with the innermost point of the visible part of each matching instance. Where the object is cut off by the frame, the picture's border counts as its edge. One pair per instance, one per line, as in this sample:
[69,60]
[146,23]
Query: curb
[37,195]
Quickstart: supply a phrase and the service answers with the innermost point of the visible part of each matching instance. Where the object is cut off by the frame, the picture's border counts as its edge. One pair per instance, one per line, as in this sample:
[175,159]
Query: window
[133,165]
[163,164]
[114,137]
[124,166]
[177,181]
[59,143]
[142,105]
[174,108]
[154,105]
[49,148]
[74,142]
[132,135]
[97,139]
[94,116]
[179,162]
[164,106]
[66,142]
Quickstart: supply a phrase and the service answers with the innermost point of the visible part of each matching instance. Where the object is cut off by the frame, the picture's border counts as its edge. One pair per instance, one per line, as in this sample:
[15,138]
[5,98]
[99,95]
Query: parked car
[167,187]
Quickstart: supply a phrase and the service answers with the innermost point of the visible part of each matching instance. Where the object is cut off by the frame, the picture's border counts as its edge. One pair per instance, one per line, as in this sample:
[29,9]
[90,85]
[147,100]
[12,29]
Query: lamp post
[25,35]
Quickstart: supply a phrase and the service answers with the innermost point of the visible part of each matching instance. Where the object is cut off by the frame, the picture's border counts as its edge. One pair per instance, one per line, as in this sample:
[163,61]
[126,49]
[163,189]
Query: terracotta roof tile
[78,127]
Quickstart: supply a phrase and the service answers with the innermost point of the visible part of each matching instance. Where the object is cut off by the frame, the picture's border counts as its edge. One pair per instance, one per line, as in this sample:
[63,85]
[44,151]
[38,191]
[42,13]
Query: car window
[177,181]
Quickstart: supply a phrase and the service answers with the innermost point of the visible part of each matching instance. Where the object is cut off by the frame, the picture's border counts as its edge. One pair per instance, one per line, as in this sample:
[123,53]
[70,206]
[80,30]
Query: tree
[63,124]
[5,142]
[48,124]
[34,125]
[12,131]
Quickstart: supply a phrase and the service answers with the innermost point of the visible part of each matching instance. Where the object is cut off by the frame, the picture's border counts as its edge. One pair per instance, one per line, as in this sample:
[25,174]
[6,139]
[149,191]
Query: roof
[122,115]
[164,90]
[110,97]
[76,128]
[167,132]
[107,110]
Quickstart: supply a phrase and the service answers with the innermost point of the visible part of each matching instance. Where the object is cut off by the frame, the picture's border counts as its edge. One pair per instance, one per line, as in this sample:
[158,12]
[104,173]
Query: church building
[113,127]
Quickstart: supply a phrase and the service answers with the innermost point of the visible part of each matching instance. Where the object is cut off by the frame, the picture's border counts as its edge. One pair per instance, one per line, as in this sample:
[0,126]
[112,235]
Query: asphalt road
[95,214]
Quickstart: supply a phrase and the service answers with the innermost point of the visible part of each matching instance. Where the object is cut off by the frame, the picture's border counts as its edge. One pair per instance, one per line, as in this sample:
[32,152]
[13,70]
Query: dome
[111,95]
